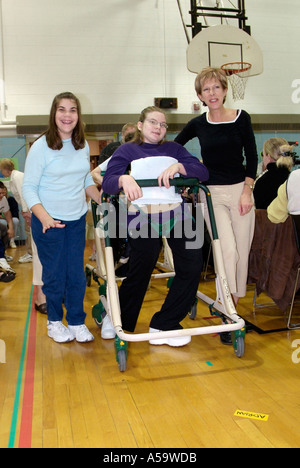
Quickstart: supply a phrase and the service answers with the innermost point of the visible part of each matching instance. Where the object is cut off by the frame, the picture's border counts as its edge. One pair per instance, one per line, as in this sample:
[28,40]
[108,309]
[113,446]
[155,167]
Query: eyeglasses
[155,123]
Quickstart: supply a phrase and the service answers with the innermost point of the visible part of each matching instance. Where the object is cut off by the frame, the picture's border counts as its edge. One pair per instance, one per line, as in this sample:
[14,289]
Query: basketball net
[237,73]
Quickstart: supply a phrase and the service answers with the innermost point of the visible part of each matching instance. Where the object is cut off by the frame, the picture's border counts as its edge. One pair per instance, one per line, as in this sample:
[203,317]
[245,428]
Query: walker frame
[222,307]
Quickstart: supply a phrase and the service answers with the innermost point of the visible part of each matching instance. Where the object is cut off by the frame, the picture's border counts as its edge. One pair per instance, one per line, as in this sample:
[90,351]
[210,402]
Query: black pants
[143,257]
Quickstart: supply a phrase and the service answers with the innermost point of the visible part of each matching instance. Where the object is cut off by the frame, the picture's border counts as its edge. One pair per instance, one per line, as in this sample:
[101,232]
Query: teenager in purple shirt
[150,155]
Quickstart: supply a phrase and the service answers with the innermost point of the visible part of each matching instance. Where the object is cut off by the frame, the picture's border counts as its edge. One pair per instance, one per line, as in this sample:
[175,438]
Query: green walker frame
[222,307]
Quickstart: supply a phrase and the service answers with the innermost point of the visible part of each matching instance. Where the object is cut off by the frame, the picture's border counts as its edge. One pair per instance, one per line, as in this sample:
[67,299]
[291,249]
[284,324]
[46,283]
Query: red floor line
[27,407]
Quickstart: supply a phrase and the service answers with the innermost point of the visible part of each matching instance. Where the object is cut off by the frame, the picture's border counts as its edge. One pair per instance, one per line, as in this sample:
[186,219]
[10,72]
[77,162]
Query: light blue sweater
[57,179]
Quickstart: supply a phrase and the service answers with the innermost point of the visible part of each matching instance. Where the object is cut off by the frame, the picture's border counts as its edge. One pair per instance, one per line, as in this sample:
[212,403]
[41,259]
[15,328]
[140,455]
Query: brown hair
[138,136]
[126,137]
[208,74]
[52,136]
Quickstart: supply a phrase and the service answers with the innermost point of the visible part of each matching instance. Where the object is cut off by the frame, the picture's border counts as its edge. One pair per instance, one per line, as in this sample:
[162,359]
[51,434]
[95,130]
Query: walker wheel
[121,353]
[239,346]
[238,340]
[121,359]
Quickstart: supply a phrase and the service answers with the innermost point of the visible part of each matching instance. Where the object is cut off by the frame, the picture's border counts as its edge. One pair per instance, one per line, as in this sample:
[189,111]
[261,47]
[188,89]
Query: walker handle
[183,182]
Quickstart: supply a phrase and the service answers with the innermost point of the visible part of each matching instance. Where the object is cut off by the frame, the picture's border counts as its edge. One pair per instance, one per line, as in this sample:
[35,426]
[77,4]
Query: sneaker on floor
[107,329]
[8,258]
[5,266]
[81,333]
[58,332]
[27,258]
[12,244]
[175,341]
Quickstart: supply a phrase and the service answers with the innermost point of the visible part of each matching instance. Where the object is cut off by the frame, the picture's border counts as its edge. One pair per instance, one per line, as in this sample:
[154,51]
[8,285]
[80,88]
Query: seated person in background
[16,181]
[6,274]
[278,161]
[287,201]
[14,209]
[6,233]
[127,133]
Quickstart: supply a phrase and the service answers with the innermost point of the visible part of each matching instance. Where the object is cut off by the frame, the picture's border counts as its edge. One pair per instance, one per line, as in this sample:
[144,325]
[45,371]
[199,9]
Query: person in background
[127,133]
[278,161]
[149,155]
[228,150]
[7,274]
[7,168]
[14,209]
[56,185]
[287,200]
[6,233]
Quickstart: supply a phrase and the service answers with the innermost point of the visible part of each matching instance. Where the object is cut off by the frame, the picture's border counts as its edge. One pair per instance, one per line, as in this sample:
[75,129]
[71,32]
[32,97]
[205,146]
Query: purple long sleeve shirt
[129,152]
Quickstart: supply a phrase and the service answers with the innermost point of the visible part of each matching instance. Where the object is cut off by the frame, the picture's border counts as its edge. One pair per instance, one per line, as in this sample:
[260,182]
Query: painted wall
[117,55]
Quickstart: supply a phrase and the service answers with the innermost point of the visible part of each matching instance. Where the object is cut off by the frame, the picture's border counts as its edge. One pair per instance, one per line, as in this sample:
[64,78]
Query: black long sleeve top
[228,149]
[267,185]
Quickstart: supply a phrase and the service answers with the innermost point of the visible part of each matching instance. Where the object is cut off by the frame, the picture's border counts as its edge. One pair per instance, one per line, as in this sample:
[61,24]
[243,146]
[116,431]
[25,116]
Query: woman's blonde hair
[138,136]
[210,73]
[280,151]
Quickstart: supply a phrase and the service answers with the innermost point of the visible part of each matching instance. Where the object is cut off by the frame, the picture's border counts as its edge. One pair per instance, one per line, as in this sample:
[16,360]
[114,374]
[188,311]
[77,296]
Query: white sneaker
[175,341]
[58,332]
[81,333]
[5,266]
[107,329]
[27,258]
[12,244]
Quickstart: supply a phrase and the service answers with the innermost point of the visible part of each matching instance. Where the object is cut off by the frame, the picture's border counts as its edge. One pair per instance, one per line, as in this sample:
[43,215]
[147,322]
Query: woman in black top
[228,150]
[278,161]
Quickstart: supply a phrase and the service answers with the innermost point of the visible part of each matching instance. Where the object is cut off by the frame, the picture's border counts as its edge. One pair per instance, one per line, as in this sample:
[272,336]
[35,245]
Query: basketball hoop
[237,73]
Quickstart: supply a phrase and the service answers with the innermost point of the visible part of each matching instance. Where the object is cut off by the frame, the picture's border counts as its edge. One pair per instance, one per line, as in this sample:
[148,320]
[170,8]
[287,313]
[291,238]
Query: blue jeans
[61,253]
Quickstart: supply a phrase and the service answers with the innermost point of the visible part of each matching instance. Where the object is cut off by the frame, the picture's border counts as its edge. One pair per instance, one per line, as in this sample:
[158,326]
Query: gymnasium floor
[202,395]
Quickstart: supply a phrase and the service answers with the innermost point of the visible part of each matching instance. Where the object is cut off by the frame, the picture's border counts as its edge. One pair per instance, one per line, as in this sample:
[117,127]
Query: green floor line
[13,427]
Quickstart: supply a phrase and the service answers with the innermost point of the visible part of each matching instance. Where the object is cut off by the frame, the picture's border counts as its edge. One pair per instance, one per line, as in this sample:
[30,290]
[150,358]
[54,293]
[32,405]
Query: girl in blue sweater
[56,181]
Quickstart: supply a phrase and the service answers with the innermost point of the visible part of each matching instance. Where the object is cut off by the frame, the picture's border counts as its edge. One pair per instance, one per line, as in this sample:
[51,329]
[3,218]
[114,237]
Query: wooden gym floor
[202,395]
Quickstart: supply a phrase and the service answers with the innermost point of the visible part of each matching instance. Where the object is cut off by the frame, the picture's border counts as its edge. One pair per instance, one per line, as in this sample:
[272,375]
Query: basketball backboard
[216,45]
